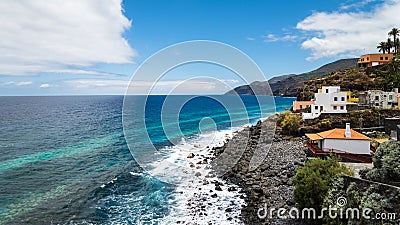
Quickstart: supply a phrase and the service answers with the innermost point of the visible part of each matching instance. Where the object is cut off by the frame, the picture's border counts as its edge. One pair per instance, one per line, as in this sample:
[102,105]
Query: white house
[345,140]
[329,99]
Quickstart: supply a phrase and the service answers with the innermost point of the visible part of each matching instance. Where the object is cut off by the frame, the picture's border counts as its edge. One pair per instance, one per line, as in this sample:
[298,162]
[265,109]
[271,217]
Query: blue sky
[82,47]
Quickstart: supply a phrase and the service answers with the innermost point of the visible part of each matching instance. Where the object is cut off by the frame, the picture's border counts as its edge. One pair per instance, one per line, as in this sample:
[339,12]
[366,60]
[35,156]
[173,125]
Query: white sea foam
[135,174]
[192,201]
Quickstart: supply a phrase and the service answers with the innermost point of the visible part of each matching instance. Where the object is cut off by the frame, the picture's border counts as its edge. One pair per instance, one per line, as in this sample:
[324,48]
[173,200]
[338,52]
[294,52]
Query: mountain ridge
[288,85]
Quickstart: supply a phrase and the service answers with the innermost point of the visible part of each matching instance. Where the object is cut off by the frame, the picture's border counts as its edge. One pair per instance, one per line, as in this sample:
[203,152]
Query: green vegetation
[289,122]
[354,80]
[361,197]
[312,181]
[390,76]
[386,164]
[358,118]
[320,183]
[390,46]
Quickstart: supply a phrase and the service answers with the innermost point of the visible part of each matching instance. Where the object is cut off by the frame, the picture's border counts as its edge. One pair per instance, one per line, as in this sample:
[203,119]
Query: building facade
[301,106]
[370,60]
[382,99]
[342,140]
[329,99]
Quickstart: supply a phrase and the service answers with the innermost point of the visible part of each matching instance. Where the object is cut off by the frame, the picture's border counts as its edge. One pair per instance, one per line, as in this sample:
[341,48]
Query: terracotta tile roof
[314,137]
[339,134]
[381,140]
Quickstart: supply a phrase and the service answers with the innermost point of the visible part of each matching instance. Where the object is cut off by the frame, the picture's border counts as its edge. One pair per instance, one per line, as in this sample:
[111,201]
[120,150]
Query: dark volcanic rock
[270,183]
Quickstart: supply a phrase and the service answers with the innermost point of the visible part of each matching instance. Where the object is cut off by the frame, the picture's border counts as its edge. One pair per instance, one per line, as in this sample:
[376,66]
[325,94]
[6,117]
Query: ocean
[65,159]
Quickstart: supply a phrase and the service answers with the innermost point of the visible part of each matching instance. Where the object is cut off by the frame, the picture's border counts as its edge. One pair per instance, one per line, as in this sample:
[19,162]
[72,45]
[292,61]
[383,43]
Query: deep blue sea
[65,160]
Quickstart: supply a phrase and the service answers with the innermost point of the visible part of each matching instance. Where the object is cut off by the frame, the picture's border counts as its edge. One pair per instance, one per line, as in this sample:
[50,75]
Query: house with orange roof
[340,141]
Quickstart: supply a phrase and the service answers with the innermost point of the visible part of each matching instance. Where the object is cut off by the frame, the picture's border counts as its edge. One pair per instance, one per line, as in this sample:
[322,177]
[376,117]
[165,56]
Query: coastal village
[336,123]
[339,141]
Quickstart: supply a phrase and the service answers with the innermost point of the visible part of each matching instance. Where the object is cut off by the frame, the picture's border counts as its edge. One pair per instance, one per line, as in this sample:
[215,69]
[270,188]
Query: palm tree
[389,45]
[394,32]
[382,47]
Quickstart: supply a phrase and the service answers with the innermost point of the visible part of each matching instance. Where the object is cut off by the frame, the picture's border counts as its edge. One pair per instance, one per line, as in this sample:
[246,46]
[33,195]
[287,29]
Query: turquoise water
[65,159]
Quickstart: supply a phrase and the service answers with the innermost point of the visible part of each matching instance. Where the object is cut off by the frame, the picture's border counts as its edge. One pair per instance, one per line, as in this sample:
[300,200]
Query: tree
[386,163]
[394,32]
[289,122]
[389,45]
[390,77]
[382,47]
[312,182]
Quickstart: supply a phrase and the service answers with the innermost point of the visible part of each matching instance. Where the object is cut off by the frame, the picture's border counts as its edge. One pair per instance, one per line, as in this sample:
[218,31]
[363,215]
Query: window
[343,99]
[341,107]
[316,107]
[367,58]
[327,91]
[386,58]
[301,107]
[335,99]
[381,58]
[335,107]
[377,98]
[390,97]
[376,104]
[321,108]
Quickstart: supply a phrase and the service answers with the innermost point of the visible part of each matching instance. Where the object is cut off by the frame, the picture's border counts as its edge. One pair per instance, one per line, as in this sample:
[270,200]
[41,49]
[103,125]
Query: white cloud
[356,4]
[274,38]
[42,36]
[250,39]
[44,85]
[16,83]
[348,34]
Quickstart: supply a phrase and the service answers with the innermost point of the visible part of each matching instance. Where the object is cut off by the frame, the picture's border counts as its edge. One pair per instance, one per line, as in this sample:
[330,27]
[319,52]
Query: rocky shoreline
[269,185]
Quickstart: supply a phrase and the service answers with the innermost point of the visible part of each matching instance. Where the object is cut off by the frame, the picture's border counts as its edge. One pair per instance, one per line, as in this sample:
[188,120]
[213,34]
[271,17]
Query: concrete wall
[351,146]
[382,99]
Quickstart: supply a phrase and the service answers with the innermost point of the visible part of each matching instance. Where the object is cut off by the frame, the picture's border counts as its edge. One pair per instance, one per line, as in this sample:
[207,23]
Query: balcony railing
[343,154]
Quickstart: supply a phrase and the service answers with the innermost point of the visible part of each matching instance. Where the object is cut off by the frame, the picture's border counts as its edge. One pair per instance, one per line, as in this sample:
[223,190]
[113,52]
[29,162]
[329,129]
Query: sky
[83,47]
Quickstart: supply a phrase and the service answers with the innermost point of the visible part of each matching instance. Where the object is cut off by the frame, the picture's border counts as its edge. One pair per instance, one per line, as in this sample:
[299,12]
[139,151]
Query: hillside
[384,77]
[288,85]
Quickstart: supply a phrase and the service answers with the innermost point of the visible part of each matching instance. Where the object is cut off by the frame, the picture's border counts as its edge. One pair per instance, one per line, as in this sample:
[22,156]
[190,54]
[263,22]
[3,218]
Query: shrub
[386,163]
[360,196]
[312,181]
[289,122]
